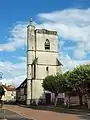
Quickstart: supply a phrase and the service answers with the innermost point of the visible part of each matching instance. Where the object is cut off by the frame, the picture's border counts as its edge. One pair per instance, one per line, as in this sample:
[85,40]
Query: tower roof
[30,23]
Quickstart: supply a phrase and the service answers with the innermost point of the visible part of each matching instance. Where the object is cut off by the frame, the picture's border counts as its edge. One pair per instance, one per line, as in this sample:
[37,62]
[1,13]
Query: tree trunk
[80,99]
[0,101]
[65,99]
[56,98]
[0,97]
[89,103]
[68,101]
[86,99]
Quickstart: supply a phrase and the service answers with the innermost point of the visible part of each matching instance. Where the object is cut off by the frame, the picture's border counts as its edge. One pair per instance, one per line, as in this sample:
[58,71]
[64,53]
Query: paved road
[37,114]
[9,115]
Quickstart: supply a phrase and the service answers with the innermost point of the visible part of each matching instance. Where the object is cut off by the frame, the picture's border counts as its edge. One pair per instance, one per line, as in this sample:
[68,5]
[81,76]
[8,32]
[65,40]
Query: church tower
[42,59]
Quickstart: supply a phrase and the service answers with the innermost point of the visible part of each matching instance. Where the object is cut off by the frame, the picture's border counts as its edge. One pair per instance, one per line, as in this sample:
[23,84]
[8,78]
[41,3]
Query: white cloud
[70,63]
[15,81]
[23,58]
[71,24]
[19,79]
[74,25]
[79,52]
[17,39]
[13,72]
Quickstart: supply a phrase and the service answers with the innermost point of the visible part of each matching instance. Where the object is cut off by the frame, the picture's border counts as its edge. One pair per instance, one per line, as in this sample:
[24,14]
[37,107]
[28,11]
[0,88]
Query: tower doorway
[48,98]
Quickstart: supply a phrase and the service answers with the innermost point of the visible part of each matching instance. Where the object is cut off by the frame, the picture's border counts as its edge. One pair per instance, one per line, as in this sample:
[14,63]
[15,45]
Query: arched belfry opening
[47,44]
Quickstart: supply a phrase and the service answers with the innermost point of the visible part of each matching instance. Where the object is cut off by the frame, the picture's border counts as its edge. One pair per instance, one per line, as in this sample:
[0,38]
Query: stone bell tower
[42,59]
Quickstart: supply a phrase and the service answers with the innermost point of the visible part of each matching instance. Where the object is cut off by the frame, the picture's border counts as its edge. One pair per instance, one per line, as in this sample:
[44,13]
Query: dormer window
[47,44]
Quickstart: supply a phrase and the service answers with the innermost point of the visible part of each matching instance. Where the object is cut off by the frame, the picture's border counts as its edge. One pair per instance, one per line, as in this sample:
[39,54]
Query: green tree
[79,79]
[54,84]
[68,88]
[2,92]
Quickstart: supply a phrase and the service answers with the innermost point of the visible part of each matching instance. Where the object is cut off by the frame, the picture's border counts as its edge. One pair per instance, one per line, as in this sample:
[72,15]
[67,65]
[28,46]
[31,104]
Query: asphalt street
[9,115]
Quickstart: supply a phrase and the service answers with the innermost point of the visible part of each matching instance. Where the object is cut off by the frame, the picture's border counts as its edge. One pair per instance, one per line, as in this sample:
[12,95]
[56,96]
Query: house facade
[10,93]
[21,92]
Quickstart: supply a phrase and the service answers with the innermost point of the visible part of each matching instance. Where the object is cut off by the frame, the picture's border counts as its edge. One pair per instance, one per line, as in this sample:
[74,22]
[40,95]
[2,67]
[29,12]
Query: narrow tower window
[47,69]
[47,44]
[34,71]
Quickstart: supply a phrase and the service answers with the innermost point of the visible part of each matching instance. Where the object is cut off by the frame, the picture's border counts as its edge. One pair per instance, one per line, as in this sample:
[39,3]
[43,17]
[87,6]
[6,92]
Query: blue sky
[71,18]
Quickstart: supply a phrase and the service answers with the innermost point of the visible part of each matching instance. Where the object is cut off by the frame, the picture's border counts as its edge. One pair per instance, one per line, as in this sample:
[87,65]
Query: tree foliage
[55,83]
[80,76]
[2,92]
[79,79]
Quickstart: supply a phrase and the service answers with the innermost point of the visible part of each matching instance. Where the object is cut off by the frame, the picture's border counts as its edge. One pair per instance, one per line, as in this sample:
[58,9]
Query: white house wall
[9,96]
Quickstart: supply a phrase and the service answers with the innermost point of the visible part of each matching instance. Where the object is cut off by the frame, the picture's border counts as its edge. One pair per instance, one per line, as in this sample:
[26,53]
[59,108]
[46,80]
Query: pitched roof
[9,88]
[23,84]
[58,62]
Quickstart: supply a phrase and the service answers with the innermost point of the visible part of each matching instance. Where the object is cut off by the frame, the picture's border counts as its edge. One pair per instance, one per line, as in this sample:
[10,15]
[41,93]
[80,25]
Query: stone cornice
[45,31]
